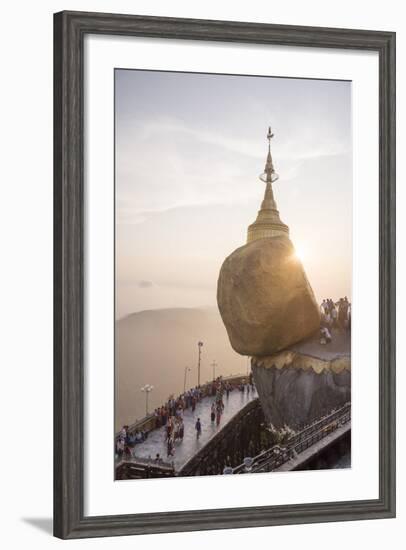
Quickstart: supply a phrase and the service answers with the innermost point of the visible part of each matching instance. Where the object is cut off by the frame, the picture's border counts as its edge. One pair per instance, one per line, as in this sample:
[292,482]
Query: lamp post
[199,345]
[184,379]
[214,365]
[147,389]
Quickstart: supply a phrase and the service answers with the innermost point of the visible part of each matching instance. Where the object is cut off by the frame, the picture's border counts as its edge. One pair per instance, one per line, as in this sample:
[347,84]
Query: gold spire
[268,222]
[269,174]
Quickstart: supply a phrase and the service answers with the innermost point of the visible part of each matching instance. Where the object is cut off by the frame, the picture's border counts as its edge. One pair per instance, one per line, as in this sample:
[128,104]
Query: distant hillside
[155,346]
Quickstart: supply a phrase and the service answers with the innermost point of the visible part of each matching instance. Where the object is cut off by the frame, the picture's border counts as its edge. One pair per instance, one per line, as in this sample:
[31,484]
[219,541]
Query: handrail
[277,455]
[127,469]
[144,422]
[140,461]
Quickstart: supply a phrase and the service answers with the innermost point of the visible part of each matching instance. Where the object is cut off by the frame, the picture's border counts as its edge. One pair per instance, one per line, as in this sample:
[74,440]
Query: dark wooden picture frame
[69,31]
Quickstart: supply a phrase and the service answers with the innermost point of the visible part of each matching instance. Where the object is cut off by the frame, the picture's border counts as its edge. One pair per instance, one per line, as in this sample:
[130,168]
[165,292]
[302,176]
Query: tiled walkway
[187,448]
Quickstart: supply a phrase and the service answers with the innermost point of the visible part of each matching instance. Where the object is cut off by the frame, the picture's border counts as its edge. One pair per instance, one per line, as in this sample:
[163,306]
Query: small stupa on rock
[268,222]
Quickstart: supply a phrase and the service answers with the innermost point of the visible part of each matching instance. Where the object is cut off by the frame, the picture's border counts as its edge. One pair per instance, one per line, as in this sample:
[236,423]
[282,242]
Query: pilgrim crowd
[335,315]
[170,415]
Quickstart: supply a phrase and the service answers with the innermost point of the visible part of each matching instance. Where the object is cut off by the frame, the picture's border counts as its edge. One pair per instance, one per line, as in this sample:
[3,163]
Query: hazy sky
[189,149]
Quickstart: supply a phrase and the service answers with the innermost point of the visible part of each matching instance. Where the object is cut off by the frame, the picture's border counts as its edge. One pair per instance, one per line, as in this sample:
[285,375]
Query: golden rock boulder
[265,299]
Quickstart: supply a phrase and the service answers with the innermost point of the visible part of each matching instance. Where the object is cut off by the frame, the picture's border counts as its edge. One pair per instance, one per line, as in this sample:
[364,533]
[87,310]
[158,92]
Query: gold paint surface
[297,360]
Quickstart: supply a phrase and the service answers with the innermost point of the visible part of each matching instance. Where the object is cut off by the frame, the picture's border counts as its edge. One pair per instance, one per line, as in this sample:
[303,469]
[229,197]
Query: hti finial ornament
[269,175]
[269,136]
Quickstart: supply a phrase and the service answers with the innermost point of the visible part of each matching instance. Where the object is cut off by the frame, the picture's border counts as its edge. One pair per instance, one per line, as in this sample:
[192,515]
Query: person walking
[213,412]
[170,446]
[334,316]
[219,411]
[198,427]
[169,429]
[325,336]
[342,313]
[218,417]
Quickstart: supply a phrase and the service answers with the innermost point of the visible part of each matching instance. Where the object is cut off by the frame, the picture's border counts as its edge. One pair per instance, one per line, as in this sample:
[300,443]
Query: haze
[189,149]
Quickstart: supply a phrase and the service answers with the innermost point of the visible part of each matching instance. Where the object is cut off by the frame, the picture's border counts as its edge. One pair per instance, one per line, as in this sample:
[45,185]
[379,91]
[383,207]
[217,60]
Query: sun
[300,253]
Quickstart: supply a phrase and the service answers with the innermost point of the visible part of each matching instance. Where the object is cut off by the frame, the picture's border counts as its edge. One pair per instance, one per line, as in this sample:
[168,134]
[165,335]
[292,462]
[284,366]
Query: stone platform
[190,445]
[339,347]
[304,381]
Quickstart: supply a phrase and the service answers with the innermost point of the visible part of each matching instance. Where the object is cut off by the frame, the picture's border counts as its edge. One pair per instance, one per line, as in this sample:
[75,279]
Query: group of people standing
[218,388]
[175,425]
[334,315]
[170,415]
[217,407]
[175,406]
[174,430]
[127,440]
[247,386]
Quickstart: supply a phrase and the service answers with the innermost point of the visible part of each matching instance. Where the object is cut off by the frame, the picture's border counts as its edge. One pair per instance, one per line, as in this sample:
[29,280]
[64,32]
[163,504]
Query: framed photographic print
[224,274]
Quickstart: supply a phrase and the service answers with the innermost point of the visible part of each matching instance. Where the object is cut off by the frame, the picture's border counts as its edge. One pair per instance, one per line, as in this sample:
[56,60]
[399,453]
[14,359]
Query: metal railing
[149,422]
[142,469]
[279,454]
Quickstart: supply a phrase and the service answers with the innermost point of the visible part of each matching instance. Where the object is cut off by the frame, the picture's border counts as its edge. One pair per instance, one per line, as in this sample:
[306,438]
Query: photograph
[233,274]
[199,275]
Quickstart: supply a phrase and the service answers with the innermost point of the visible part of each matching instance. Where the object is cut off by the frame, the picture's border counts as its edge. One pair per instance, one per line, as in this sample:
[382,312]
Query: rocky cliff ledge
[304,381]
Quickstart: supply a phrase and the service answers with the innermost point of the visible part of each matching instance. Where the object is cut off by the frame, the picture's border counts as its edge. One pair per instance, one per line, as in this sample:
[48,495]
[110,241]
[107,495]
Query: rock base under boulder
[296,388]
